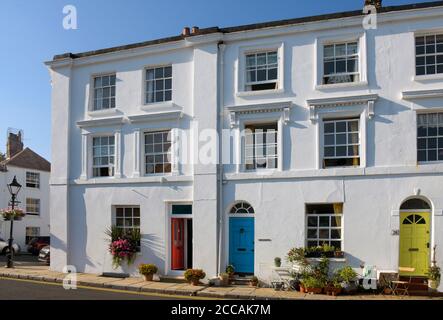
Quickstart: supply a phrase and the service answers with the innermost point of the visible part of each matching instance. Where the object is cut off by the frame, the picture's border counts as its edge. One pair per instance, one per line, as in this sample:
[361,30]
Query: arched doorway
[241,237]
[415,226]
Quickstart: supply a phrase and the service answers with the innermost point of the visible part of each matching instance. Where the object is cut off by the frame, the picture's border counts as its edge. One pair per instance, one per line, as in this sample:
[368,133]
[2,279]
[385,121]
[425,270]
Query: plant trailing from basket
[194,275]
[123,245]
[12,214]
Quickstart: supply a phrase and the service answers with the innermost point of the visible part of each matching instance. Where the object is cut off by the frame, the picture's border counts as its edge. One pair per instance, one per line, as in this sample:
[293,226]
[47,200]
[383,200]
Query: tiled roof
[254,26]
[27,159]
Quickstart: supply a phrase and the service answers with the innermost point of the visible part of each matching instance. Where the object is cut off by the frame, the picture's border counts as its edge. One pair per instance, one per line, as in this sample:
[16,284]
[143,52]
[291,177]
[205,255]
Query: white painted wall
[372,194]
[42,193]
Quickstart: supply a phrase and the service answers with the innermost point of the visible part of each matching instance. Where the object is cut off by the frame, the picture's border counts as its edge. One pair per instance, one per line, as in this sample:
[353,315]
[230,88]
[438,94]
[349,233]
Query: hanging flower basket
[121,250]
[9,214]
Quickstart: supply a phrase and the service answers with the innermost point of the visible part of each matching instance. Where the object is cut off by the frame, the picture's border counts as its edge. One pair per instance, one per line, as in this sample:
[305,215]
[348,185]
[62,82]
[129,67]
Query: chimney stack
[14,144]
[185,31]
[195,30]
[376,3]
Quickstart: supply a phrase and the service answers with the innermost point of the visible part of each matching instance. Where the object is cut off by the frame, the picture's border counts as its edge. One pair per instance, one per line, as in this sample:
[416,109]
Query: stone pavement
[42,273]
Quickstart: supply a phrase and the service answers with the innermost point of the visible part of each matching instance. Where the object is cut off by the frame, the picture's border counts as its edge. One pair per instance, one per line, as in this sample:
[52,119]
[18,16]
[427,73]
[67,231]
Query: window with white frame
[31,232]
[33,206]
[341,143]
[261,146]
[104,92]
[127,219]
[158,84]
[341,62]
[429,54]
[430,137]
[32,179]
[324,223]
[103,154]
[261,71]
[158,152]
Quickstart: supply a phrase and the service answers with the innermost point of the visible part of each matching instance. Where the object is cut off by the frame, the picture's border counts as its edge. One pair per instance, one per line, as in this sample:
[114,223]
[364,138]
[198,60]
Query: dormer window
[261,71]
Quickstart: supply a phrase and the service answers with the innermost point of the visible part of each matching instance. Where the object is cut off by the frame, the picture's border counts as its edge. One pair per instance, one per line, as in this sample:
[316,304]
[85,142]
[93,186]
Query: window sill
[145,179]
[259,92]
[340,260]
[360,84]
[431,77]
[104,112]
[157,105]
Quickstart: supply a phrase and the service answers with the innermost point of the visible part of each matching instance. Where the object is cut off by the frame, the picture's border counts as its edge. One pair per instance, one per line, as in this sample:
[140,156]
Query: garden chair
[401,286]
[281,278]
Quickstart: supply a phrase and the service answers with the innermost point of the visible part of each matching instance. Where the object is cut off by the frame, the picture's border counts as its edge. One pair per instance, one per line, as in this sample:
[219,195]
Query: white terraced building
[344,147]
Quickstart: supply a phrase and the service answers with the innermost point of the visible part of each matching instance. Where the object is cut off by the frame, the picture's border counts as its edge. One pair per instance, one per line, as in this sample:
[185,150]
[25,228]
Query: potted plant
[313,285]
[230,270]
[277,262]
[123,245]
[334,286]
[254,281]
[193,276]
[12,214]
[224,279]
[297,257]
[147,270]
[434,277]
[348,279]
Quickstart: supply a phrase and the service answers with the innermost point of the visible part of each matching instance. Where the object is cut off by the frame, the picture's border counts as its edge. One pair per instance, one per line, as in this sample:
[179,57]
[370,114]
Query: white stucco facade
[34,221]
[208,91]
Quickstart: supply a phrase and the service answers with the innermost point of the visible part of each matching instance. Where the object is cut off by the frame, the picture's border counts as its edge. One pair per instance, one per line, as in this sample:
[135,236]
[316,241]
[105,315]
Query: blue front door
[241,244]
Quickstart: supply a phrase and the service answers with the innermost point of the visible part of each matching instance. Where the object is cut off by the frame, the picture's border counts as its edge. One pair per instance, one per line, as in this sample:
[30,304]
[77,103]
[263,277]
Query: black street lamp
[14,187]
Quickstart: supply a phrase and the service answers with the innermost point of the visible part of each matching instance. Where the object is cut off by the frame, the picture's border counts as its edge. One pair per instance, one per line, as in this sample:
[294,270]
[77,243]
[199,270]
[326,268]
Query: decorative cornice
[156,116]
[422,94]
[344,101]
[283,107]
[101,122]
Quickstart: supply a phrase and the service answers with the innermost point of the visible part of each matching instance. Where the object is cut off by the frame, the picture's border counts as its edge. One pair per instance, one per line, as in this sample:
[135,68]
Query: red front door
[177,242]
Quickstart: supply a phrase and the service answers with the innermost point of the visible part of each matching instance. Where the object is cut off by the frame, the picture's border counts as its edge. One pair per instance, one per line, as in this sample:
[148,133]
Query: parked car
[4,247]
[44,255]
[36,244]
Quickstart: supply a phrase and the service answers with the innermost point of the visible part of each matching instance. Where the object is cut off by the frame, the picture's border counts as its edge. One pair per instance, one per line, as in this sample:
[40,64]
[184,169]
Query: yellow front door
[414,241]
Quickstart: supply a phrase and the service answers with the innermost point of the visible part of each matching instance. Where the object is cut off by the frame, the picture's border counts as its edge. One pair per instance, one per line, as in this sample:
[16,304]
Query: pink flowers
[122,249]
[9,214]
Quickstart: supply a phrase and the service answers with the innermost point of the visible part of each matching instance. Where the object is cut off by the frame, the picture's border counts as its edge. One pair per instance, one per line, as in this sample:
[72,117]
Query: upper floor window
[32,179]
[430,137]
[429,54]
[341,143]
[340,63]
[33,206]
[104,92]
[261,71]
[158,84]
[261,146]
[158,152]
[324,225]
[103,149]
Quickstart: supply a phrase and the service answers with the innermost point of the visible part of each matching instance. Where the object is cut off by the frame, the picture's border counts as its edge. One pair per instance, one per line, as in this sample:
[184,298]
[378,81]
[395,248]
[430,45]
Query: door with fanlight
[415,241]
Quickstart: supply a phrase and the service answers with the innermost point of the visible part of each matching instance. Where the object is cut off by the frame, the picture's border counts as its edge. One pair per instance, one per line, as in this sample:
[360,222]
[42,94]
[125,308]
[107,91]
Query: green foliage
[313,282]
[114,233]
[277,261]
[194,274]
[346,274]
[147,269]
[230,269]
[434,273]
[296,255]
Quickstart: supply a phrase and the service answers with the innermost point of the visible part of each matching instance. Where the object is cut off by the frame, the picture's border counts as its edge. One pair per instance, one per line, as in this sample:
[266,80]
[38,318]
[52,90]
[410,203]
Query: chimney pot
[185,31]
[195,30]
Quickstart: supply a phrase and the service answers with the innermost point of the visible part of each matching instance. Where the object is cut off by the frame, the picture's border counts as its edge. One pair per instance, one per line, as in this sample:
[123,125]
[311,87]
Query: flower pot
[253,283]
[339,254]
[314,290]
[195,282]
[433,284]
[148,277]
[333,291]
[302,289]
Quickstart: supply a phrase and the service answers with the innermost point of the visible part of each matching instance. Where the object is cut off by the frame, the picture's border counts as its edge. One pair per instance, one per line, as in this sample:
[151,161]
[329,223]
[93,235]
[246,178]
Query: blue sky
[31,32]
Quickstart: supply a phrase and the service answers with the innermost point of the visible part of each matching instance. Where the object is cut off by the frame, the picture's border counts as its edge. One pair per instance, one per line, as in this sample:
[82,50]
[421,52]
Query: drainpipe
[220,109]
